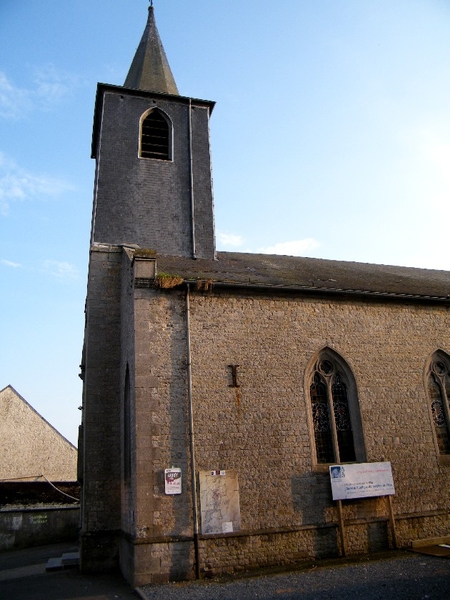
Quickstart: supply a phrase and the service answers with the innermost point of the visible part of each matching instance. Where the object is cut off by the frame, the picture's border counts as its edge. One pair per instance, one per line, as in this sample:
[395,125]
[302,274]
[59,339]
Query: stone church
[219,387]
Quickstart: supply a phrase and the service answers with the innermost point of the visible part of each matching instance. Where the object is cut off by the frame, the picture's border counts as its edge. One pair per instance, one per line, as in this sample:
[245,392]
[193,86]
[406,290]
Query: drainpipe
[191,175]
[191,434]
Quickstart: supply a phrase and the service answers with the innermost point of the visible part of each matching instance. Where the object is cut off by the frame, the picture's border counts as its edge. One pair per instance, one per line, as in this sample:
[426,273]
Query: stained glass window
[321,420]
[333,421]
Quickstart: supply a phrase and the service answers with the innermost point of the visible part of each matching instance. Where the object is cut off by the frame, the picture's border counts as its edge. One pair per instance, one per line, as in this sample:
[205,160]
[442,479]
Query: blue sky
[330,138]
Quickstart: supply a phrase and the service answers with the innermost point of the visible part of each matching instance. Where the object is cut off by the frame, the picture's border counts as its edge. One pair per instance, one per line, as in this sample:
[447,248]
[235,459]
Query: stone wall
[100,467]
[263,428]
[27,527]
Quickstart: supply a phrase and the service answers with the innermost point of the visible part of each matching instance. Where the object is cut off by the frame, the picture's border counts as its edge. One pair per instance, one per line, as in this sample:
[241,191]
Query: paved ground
[23,577]
[390,576]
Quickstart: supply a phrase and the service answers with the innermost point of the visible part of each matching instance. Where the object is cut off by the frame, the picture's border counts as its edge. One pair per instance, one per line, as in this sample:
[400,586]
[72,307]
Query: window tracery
[335,411]
[439,395]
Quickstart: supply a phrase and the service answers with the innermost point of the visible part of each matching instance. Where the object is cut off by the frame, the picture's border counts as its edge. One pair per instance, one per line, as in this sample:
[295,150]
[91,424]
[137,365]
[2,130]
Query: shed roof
[310,275]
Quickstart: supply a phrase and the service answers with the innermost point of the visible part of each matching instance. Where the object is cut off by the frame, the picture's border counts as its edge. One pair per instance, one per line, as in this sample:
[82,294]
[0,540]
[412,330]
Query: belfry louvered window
[335,411]
[155,136]
[438,379]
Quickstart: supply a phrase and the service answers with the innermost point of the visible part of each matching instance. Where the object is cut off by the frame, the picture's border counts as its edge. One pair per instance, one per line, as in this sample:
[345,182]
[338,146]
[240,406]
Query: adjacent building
[30,448]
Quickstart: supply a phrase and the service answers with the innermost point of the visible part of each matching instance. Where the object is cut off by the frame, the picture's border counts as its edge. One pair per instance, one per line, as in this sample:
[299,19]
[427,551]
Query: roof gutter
[319,291]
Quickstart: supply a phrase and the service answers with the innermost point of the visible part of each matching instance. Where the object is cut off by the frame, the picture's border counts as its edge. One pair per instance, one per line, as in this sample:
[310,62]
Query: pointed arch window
[438,383]
[335,411]
[156,136]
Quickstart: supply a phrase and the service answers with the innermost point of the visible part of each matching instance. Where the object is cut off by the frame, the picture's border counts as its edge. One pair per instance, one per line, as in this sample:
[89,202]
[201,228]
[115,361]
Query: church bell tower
[153,192]
[153,166]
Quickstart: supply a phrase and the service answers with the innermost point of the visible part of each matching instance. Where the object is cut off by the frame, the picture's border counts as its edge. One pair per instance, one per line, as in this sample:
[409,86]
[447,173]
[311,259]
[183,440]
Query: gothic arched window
[438,383]
[156,136]
[338,435]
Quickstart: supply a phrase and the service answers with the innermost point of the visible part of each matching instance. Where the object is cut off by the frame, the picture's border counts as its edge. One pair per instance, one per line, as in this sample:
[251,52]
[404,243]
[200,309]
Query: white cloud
[14,101]
[17,183]
[230,239]
[50,87]
[9,263]
[60,269]
[293,248]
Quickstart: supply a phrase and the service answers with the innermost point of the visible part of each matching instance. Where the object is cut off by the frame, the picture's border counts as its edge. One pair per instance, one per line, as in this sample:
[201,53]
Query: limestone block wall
[127,419]
[263,428]
[100,455]
[274,341]
[162,437]
[29,445]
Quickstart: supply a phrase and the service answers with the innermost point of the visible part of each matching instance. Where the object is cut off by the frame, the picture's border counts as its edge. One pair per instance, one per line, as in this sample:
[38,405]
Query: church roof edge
[312,275]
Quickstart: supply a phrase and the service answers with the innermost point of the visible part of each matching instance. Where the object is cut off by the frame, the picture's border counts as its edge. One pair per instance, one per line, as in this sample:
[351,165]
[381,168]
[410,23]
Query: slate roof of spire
[150,70]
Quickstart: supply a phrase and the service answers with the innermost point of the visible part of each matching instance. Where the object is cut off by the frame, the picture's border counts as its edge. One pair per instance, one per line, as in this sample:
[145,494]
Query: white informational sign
[172,479]
[227,527]
[361,480]
[219,501]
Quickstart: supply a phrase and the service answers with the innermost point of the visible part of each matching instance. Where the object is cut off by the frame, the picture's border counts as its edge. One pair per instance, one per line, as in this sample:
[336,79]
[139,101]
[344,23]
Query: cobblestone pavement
[398,576]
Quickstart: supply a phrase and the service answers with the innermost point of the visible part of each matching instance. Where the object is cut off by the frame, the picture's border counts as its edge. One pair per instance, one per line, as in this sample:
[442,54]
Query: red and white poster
[172,480]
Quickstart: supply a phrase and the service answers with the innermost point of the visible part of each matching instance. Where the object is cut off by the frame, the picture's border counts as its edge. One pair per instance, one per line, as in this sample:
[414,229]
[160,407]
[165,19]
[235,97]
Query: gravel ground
[400,576]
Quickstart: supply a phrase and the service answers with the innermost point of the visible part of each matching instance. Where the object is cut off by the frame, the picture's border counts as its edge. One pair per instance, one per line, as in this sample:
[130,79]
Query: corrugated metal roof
[310,274]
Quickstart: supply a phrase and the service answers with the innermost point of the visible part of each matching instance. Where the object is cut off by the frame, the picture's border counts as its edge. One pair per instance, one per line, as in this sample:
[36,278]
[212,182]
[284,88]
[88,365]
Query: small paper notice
[172,481]
[227,527]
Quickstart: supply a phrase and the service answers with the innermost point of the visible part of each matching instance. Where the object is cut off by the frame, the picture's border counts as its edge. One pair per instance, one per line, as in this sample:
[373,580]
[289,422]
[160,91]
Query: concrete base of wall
[24,528]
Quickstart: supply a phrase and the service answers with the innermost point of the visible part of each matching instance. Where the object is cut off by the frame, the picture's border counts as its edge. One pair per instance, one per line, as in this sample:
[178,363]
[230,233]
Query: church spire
[150,69]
